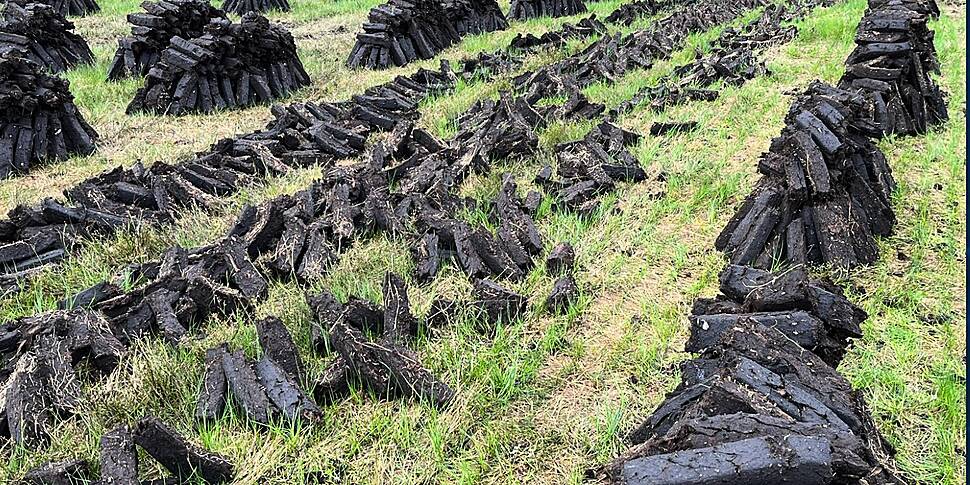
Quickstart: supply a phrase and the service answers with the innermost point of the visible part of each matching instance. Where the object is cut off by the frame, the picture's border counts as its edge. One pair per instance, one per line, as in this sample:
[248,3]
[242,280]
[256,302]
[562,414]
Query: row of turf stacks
[762,402]
[825,190]
[530,9]
[187,462]
[242,7]
[401,31]
[44,35]
[152,32]
[300,135]
[39,121]
[586,27]
[891,64]
[65,8]
[612,56]
[733,60]
[230,66]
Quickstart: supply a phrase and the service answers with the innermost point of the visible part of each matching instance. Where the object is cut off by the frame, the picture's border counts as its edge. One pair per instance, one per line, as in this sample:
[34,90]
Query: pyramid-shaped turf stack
[153,29]
[892,62]
[231,66]
[65,7]
[242,7]
[825,190]
[529,9]
[401,31]
[44,35]
[472,17]
[38,119]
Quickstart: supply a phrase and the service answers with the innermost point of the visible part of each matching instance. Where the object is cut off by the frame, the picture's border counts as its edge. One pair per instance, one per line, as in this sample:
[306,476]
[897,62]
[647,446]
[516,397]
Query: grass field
[550,396]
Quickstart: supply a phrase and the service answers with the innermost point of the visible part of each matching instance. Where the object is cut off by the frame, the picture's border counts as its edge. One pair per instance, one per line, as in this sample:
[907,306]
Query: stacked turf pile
[529,9]
[153,30]
[38,119]
[401,31]
[370,344]
[44,35]
[472,17]
[591,167]
[65,7]
[230,66]
[187,462]
[891,64]
[586,27]
[824,194]
[755,407]
[242,7]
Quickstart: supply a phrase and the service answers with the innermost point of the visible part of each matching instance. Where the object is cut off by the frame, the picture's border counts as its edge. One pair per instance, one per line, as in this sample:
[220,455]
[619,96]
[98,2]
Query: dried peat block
[562,259]
[223,69]
[766,460]
[180,457]
[812,313]
[333,385]
[564,293]
[388,368]
[278,345]
[152,32]
[497,304]
[399,324]
[242,7]
[401,31]
[90,296]
[44,35]
[528,9]
[39,123]
[285,392]
[119,458]
[245,386]
[825,190]
[68,472]
[891,66]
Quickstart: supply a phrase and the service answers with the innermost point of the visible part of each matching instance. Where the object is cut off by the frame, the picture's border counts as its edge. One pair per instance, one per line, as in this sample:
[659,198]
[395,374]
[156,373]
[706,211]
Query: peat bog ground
[540,241]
